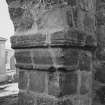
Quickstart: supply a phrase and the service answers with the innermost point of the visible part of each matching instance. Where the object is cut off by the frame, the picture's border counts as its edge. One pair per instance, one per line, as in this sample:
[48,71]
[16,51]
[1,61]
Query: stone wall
[99,56]
[59,50]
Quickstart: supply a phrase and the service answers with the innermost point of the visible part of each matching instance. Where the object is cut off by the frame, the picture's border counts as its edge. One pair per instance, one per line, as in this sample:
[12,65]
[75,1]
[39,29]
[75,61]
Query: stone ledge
[72,37]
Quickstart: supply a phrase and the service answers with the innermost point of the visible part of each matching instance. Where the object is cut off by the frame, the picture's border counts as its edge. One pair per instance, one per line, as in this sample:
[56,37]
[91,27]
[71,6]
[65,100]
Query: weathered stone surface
[42,56]
[23,79]
[10,1]
[62,83]
[100,35]
[100,73]
[85,62]
[23,56]
[45,58]
[22,41]
[84,100]
[100,96]
[53,84]
[26,99]
[72,37]
[100,54]
[87,5]
[37,81]
[100,14]
[38,10]
[30,99]
[16,12]
[86,82]
[68,83]
[90,42]
[99,2]
[64,102]
[72,2]
[53,34]
[89,23]
[51,101]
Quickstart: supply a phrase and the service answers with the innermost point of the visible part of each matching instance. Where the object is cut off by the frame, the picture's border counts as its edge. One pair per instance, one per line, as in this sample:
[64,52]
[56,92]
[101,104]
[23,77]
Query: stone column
[54,43]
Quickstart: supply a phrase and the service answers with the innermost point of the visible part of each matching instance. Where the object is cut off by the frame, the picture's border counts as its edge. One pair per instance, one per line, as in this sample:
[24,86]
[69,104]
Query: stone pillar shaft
[54,43]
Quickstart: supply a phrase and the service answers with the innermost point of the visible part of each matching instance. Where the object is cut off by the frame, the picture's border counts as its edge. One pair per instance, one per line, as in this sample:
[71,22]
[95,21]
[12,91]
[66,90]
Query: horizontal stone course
[73,37]
[45,58]
[59,58]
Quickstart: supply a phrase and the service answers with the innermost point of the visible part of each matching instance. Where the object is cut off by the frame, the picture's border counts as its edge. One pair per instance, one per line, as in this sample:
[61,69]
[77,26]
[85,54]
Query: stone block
[85,62]
[99,98]
[101,37]
[23,79]
[87,5]
[23,56]
[100,14]
[100,73]
[100,54]
[62,83]
[89,23]
[42,56]
[26,99]
[53,84]
[72,2]
[86,82]
[91,43]
[37,81]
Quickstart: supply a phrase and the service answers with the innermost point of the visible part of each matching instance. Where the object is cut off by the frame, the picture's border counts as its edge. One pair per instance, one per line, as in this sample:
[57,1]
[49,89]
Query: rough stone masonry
[60,51]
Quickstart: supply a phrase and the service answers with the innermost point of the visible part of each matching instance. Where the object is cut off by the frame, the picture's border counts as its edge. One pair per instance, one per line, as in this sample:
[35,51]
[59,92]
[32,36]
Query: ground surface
[9,100]
[9,94]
